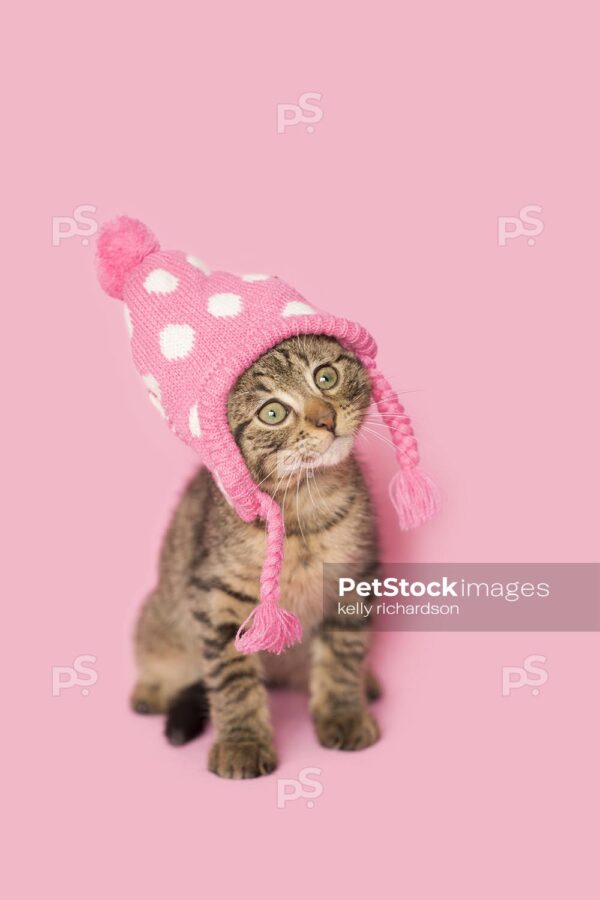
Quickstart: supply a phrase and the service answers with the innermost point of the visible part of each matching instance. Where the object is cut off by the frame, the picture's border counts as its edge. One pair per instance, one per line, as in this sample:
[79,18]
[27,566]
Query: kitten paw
[146,699]
[243,759]
[373,688]
[347,730]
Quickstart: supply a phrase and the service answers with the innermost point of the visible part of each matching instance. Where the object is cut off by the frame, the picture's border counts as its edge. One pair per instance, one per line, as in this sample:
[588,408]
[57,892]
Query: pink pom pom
[414,496]
[121,246]
[271,628]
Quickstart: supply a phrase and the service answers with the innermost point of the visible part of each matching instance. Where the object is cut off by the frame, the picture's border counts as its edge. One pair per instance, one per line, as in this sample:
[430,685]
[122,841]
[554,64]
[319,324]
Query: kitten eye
[273,413]
[326,377]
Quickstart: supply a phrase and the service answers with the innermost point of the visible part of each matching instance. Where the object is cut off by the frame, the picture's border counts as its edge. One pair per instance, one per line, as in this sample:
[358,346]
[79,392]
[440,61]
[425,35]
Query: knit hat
[193,333]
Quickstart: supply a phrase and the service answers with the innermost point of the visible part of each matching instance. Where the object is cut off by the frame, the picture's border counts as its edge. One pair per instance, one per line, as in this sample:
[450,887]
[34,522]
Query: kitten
[294,415]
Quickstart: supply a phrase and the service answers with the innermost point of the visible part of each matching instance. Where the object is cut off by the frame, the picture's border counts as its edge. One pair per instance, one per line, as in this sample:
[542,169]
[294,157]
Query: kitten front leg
[238,698]
[338,701]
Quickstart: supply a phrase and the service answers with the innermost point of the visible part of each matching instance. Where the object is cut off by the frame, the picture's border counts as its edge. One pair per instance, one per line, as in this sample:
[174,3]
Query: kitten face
[298,407]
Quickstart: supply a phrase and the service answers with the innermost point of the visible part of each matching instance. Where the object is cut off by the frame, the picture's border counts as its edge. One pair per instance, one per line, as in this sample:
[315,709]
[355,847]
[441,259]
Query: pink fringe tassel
[271,628]
[415,497]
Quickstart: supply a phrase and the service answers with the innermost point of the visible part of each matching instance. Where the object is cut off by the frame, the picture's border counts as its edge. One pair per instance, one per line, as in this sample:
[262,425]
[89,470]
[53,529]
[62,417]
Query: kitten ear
[121,246]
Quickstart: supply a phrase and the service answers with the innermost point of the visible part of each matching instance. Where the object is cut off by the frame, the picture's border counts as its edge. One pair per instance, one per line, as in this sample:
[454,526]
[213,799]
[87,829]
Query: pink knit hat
[193,333]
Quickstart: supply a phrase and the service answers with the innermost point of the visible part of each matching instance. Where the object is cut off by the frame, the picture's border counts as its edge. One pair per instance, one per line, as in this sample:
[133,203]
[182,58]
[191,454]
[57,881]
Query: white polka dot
[194,421]
[176,341]
[154,400]
[221,305]
[152,384]
[159,281]
[255,277]
[219,484]
[128,322]
[298,308]
[154,394]
[198,264]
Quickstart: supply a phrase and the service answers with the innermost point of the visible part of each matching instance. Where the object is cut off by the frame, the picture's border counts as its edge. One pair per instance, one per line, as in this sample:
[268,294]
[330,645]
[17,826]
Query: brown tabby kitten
[294,414]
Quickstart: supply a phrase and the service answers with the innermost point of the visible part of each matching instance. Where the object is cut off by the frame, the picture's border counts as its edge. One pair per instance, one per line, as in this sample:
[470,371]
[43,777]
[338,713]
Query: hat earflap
[413,493]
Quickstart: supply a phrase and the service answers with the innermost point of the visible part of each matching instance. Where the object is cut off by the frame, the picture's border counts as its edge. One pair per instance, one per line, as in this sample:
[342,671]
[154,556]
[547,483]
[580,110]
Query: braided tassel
[269,627]
[413,493]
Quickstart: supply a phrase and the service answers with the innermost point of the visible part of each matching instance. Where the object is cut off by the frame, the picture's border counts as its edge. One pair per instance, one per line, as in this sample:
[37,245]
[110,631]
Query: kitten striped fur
[211,561]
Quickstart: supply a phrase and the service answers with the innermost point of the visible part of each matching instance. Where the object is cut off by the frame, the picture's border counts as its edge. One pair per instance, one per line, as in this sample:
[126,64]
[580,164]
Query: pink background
[437,119]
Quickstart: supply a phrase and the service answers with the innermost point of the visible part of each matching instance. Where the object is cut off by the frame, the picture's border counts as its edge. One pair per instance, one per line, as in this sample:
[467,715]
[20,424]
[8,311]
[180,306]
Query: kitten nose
[320,414]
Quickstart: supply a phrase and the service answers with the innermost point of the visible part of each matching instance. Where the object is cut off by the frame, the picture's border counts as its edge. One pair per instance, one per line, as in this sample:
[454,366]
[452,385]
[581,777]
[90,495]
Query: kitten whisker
[298,510]
[284,496]
[382,438]
[278,485]
[256,486]
[316,484]
[394,394]
[312,500]
[384,415]
[393,423]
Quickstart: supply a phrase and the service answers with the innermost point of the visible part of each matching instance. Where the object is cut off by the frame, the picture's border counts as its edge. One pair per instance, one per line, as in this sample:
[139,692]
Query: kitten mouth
[289,463]
[298,461]
[337,451]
